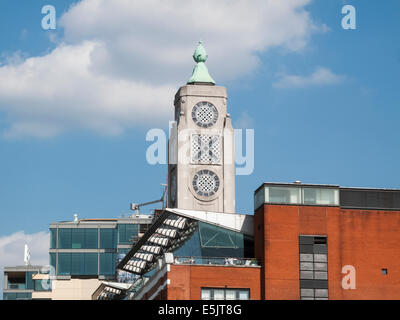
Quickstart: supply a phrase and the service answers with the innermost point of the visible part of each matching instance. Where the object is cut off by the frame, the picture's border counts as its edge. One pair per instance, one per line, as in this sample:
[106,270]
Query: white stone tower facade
[201,168]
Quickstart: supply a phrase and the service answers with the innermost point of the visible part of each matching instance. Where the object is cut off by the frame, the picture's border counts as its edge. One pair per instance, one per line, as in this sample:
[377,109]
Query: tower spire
[200,73]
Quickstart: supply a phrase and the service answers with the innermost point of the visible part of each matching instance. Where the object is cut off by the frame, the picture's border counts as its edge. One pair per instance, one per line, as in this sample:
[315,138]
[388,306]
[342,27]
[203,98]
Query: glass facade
[108,238]
[77,264]
[317,196]
[107,263]
[64,238]
[91,249]
[17,296]
[53,238]
[126,233]
[75,238]
[296,195]
[78,240]
[91,238]
[212,241]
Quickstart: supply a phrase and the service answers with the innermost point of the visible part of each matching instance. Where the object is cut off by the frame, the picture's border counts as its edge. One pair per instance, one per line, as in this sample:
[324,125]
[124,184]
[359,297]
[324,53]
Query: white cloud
[320,77]
[46,95]
[12,250]
[119,62]
[243,121]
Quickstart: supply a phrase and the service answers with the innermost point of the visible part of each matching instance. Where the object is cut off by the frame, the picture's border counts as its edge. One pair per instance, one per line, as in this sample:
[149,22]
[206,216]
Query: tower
[201,166]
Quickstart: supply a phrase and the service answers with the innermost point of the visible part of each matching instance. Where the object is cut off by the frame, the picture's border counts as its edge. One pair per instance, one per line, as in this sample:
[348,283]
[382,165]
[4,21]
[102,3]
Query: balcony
[16,286]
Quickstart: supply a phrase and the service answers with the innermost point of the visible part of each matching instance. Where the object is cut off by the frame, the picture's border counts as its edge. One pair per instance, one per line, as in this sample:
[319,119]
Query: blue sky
[323,101]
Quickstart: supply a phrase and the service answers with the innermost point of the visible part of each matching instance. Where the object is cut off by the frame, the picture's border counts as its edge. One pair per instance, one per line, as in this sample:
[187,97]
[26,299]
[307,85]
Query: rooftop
[298,193]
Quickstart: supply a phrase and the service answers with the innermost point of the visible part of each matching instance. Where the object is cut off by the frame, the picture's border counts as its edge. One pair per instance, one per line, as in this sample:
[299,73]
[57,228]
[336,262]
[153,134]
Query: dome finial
[200,71]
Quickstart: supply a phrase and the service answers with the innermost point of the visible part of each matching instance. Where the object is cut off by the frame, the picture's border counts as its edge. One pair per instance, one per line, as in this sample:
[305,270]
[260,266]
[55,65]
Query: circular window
[205,183]
[204,114]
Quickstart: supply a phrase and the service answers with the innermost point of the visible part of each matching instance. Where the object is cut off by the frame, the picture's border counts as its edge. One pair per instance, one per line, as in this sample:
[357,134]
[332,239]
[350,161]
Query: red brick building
[303,242]
[294,224]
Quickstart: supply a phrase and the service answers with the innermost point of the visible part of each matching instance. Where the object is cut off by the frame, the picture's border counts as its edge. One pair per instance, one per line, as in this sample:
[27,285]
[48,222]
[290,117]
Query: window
[384,272]
[216,237]
[53,238]
[74,238]
[42,285]
[319,196]
[107,264]
[127,232]
[78,236]
[64,238]
[313,268]
[17,296]
[205,149]
[53,257]
[29,280]
[64,264]
[108,239]
[91,238]
[224,294]
[77,264]
[282,195]
[303,195]
[91,264]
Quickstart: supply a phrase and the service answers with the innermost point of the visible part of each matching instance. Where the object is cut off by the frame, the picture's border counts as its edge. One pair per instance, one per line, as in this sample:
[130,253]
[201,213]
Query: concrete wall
[369,240]
[181,174]
[73,289]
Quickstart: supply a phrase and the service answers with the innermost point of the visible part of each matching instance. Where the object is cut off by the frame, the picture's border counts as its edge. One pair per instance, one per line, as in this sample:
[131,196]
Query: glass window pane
[107,239]
[107,264]
[53,260]
[132,230]
[321,196]
[216,237]
[24,296]
[219,294]
[64,238]
[64,264]
[283,195]
[205,294]
[230,294]
[77,264]
[9,296]
[42,285]
[122,233]
[244,295]
[259,198]
[77,238]
[29,280]
[53,238]
[91,238]
[91,264]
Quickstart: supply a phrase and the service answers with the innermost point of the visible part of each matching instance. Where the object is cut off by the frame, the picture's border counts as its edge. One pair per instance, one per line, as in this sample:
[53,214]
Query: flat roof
[300,184]
[348,198]
[22,268]
[142,218]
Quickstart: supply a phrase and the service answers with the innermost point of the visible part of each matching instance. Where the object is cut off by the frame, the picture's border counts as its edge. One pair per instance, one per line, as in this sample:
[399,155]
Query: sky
[77,102]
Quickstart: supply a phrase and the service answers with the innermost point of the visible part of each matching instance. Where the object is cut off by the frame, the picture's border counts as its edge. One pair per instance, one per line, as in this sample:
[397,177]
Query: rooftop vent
[75,217]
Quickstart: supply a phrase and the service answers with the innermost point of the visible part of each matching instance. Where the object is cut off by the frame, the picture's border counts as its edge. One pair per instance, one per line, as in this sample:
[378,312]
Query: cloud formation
[119,63]
[320,77]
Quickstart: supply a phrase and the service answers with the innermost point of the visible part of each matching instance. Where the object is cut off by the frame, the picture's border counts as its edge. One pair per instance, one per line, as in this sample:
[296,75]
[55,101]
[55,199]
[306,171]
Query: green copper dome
[200,72]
